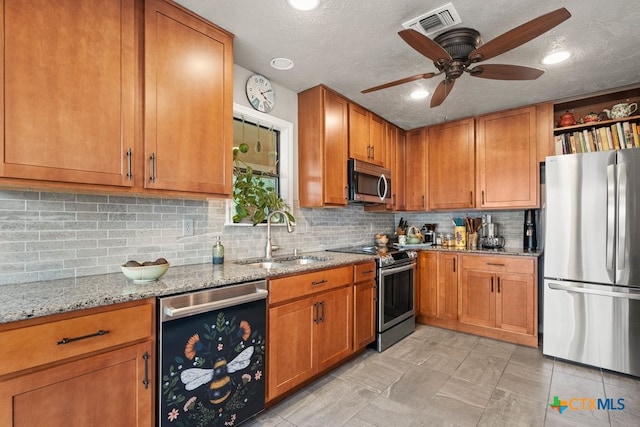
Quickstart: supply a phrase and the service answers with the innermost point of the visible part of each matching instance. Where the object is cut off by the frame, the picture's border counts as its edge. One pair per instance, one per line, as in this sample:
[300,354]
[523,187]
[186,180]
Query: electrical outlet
[187,227]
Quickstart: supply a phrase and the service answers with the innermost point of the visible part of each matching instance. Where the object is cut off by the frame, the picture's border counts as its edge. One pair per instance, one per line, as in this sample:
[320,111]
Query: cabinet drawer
[364,272]
[43,343]
[499,264]
[287,288]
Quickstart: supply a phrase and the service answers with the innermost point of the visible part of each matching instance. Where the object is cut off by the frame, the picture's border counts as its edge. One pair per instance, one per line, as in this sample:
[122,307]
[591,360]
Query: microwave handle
[383,180]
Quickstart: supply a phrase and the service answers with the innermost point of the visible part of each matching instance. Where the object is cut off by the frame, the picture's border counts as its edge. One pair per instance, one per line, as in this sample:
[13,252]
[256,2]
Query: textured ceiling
[351,45]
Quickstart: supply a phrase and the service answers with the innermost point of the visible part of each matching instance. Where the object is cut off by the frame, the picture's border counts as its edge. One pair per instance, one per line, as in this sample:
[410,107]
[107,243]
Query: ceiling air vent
[434,21]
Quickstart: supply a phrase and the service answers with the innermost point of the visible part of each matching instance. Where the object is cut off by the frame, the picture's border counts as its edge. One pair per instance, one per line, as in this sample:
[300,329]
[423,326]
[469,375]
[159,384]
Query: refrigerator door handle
[632,294]
[621,216]
[611,216]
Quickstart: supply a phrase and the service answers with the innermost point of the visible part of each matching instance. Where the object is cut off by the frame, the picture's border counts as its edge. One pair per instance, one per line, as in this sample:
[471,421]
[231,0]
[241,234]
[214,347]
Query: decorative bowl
[413,240]
[145,273]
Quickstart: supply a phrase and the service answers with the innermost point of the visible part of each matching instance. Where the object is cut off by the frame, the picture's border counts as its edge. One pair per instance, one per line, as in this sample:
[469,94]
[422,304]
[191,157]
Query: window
[270,150]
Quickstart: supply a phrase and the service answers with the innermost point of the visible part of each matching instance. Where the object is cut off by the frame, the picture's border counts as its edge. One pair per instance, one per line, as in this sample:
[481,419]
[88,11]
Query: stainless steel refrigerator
[592,259]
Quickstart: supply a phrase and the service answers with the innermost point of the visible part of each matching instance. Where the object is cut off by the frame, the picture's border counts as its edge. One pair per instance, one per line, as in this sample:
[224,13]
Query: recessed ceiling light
[556,57]
[303,4]
[419,94]
[281,63]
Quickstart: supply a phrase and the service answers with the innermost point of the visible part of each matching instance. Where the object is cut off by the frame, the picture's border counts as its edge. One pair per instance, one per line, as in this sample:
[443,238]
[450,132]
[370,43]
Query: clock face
[260,93]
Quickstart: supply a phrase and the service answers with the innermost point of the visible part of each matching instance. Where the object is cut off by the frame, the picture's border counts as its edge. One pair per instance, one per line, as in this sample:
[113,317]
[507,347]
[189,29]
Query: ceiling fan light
[303,4]
[556,57]
[419,94]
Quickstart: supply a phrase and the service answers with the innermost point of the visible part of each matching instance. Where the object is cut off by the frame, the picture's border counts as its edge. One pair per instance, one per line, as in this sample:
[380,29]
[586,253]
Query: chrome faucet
[269,249]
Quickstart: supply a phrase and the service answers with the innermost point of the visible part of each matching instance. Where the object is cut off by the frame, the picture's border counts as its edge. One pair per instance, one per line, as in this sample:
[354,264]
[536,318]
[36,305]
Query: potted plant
[252,197]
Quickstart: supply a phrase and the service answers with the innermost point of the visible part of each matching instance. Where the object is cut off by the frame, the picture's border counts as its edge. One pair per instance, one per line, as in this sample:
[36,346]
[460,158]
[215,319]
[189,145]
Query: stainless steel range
[395,314]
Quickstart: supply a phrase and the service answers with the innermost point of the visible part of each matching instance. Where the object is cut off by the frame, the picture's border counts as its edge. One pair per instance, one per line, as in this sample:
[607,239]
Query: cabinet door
[323,136]
[515,303]
[335,326]
[291,347]
[447,303]
[364,314]
[103,390]
[507,173]
[188,102]
[68,90]
[478,298]
[415,167]
[451,165]
[427,284]
[377,136]
[334,173]
[359,147]
[398,173]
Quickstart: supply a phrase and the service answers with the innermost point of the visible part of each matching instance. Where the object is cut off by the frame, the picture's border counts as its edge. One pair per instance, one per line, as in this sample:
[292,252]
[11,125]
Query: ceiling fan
[455,51]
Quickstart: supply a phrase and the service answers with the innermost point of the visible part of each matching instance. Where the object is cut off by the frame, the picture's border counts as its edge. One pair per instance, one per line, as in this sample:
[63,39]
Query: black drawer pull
[368,272]
[495,264]
[319,282]
[68,340]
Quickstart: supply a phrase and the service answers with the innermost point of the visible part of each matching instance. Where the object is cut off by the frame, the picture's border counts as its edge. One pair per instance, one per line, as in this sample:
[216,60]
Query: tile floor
[437,377]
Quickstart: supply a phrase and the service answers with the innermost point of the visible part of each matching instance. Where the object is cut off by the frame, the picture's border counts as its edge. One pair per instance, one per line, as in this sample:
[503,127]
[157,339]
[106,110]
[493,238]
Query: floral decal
[216,376]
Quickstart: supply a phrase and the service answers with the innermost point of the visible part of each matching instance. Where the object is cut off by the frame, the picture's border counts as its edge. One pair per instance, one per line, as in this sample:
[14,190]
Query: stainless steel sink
[268,265]
[284,261]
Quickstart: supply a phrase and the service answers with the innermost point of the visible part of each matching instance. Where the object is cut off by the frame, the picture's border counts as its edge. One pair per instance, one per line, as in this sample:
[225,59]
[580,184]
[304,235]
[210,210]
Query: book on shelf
[634,132]
[614,137]
[621,138]
[610,136]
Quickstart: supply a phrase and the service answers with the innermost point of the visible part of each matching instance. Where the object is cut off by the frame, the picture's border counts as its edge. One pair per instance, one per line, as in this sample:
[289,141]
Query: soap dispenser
[218,252]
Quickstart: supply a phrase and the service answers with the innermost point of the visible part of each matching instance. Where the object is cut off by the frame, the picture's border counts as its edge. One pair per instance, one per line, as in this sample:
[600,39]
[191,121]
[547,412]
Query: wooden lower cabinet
[95,380]
[309,330]
[494,296]
[364,305]
[102,390]
[498,297]
[307,336]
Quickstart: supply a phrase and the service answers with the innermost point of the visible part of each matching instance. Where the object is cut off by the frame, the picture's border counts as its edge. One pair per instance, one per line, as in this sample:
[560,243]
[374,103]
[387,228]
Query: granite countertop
[502,251]
[36,299]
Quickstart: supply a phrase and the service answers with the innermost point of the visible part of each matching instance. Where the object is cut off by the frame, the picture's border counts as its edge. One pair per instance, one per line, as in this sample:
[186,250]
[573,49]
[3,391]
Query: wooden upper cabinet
[507,168]
[68,90]
[415,167]
[377,140]
[323,134]
[358,133]
[451,165]
[366,135]
[188,102]
[394,154]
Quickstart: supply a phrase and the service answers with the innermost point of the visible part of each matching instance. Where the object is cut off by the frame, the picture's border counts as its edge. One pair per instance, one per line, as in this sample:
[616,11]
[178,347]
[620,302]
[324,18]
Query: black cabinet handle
[315,313]
[129,172]
[498,285]
[152,178]
[322,315]
[145,381]
[68,340]
[319,282]
[492,285]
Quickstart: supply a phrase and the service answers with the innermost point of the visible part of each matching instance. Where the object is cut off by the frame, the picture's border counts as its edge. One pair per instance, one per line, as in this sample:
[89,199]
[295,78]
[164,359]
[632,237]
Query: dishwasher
[211,356]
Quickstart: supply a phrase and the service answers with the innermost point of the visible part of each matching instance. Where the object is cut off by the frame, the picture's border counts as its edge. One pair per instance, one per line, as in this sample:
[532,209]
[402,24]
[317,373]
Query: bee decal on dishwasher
[221,385]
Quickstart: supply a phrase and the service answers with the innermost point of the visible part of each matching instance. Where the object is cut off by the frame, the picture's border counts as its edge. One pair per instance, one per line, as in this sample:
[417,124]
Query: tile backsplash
[46,235]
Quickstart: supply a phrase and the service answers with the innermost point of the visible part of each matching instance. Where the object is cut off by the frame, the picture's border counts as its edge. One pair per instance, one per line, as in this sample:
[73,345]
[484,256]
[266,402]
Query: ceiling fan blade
[425,45]
[519,35]
[399,82]
[441,92]
[505,72]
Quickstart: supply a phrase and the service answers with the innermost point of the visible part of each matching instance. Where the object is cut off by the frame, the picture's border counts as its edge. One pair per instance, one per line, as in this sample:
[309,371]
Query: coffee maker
[530,240]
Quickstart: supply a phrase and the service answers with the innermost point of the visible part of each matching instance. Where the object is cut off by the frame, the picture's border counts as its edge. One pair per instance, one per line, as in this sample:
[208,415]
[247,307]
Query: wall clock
[260,93]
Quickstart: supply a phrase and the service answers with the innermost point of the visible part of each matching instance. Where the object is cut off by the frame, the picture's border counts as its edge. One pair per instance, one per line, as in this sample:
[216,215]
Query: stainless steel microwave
[368,183]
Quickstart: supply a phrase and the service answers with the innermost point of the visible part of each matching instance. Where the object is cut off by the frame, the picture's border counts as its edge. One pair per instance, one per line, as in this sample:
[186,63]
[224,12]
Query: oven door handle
[176,313]
[388,271]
